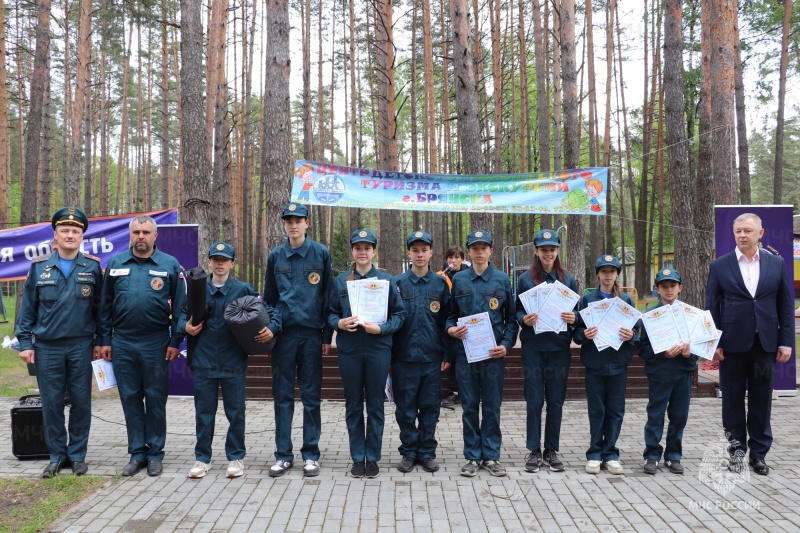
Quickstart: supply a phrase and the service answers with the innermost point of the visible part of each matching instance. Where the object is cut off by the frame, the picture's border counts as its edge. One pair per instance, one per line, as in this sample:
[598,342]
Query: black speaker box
[27,429]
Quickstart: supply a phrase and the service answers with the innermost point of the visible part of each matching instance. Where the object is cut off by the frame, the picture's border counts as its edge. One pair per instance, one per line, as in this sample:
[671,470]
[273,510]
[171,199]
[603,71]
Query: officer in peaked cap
[63,288]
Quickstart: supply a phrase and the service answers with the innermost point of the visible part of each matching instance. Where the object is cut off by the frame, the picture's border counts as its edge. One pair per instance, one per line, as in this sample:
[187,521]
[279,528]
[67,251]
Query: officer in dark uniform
[482,289]
[218,362]
[60,307]
[420,353]
[143,293]
[297,284]
[365,353]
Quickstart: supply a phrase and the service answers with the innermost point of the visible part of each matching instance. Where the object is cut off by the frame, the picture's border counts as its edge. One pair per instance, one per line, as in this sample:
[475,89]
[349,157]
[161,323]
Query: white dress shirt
[750,270]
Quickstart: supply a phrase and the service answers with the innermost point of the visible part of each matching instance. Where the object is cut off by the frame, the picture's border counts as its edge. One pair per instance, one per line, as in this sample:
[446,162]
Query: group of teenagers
[135,315]
[420,340]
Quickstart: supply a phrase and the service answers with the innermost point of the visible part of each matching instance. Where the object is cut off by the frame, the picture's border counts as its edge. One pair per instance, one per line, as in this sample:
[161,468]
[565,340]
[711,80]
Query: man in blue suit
[748,296]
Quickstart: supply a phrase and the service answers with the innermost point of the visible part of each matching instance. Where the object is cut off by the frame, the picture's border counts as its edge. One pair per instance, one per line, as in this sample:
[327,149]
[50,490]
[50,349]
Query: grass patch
[28,505]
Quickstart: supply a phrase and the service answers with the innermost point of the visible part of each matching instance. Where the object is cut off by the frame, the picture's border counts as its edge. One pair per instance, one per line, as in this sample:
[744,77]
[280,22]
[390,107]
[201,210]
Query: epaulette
[92,257]
[41,258]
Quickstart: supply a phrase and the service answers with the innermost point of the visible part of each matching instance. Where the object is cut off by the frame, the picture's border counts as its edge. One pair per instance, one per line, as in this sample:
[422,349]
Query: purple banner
[180,241]
[777,223]
[106,236]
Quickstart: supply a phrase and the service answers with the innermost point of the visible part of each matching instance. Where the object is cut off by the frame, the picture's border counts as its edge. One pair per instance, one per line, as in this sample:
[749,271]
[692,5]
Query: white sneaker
[593,467]
[235,468]
[614,467]
[199,469]
[280,468]
[310,468]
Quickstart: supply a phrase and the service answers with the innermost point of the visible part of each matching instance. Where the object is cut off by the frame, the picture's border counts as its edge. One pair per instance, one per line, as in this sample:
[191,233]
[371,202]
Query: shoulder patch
[92,257]
[41,258]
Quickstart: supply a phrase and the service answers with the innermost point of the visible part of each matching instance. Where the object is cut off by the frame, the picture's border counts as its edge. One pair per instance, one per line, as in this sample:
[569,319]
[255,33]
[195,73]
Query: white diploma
[529,300]
[352,296]
[104,374]
[704,330]
[679,314]
[561,299]
[619,315]
[480,336]
[692,316]
[706,349]
[662,331]
[372,301]
[586,315]
[597,310]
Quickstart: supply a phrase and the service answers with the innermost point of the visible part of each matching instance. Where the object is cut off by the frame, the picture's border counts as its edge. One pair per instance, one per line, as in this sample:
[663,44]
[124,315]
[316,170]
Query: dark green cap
[607,260]
[70,216]
[546,237]
[668,274]
[222,249]
[421,236]
[479,235]
[363,235]
[294,209]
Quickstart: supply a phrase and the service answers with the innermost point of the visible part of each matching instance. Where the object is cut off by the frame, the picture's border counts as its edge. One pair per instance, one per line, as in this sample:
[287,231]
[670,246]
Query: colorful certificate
[104,374]
[619,315]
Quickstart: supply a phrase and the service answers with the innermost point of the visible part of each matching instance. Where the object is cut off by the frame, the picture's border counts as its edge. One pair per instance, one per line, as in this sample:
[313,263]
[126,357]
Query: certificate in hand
[679,314]
[373,301]
[619,315]
[704,330]
[560,299]
[480,336]
[104,374]
[692,316]
[706,349]
[661,328]
[529,300]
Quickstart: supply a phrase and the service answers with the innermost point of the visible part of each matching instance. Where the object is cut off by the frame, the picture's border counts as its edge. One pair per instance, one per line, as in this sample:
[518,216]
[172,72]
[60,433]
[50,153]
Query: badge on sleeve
[156,284]
[493,303]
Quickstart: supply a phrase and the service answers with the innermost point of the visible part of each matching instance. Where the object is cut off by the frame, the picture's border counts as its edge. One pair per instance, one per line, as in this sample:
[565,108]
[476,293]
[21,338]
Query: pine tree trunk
[104,88]
[165,118]
[276,155]
[723,29]
[741,124]
[198,207]
[30,177]
[576,232]
[320,151]
[390,227]
[81,96]
[526,148]
[5,181]
[46,164]
[703,209]
[686,260]
[777,190]
[308,127]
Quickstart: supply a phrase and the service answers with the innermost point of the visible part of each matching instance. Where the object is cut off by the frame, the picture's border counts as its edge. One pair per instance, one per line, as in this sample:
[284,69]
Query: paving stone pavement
[419,501]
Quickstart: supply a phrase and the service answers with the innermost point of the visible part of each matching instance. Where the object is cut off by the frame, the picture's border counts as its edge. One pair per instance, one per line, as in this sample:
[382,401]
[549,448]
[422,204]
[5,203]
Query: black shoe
[79,468]
[674,466]
[533,461]
[358,470]
[406,465]
[429,464]
[759,466]
[51,470]
[650,467]
[447,403]
[551,458]
[154,468]
[456,398]
[372,470]
[133,467]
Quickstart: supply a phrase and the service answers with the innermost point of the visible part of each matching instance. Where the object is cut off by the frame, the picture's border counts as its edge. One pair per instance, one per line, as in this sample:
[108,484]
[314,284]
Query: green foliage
[762,162]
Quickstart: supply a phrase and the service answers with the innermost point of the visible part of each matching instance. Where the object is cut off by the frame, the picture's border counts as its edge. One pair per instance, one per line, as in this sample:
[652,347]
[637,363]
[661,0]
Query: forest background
[122,106]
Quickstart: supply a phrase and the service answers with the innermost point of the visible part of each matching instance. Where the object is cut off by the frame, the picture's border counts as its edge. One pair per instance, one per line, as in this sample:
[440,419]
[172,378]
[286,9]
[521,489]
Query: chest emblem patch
[435,306]
[493,303]
[156,284]
[86,290]
[313,278]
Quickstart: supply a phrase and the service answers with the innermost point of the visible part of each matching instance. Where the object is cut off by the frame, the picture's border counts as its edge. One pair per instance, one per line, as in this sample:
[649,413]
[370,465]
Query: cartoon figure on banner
[575,199]
[593,189]
[306,174]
